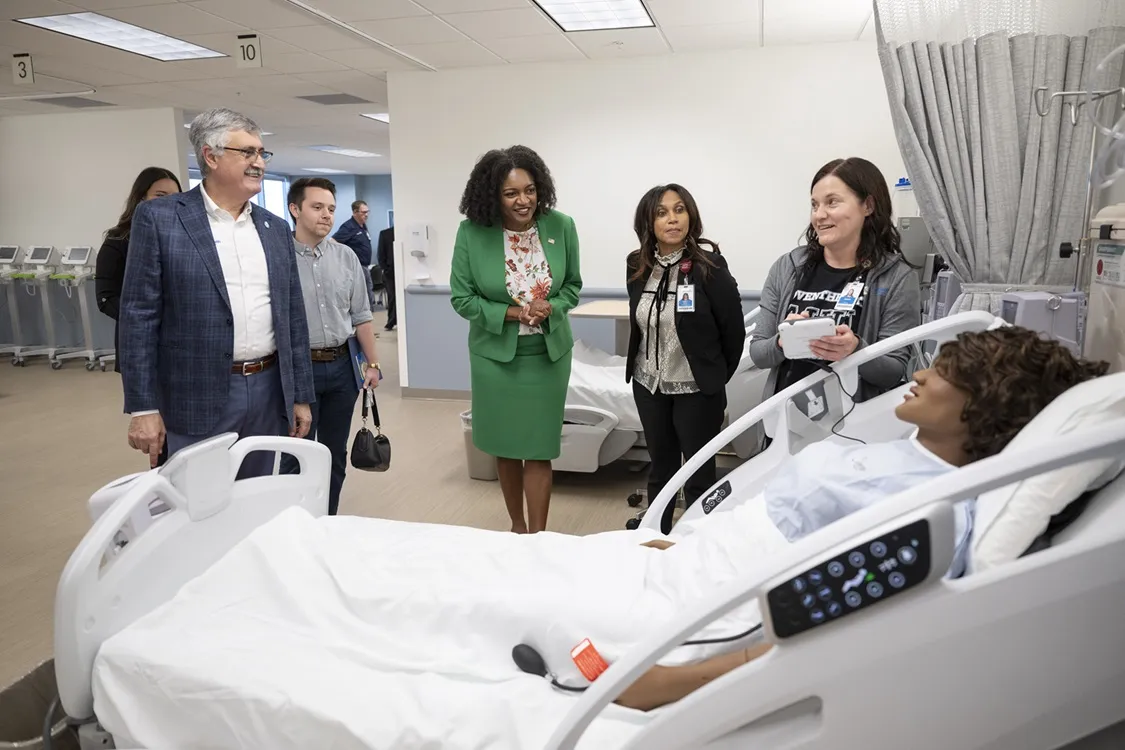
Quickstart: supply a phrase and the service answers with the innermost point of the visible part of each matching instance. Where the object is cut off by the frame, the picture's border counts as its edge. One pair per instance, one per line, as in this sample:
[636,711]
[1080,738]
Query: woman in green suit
[515,278]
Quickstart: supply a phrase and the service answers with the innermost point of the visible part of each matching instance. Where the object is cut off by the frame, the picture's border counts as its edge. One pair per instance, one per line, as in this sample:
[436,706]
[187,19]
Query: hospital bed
[601,424]
[1026,655]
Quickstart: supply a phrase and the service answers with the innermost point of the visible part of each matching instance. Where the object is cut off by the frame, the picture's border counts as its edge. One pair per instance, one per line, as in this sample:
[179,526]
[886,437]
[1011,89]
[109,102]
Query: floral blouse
[528,275]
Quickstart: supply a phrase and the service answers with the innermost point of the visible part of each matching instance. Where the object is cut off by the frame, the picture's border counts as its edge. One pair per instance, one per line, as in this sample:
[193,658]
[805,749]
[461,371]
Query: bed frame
[923,669]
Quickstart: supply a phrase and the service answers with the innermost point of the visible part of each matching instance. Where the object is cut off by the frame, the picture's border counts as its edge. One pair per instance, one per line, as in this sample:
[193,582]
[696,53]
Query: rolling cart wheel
[103,366]
[635,499]
[17,362]
[632,524]
[56,364]
[90,366]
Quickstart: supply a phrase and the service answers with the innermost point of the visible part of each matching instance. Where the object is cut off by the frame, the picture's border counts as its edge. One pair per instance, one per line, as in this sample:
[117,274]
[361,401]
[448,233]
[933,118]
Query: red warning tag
[589,662]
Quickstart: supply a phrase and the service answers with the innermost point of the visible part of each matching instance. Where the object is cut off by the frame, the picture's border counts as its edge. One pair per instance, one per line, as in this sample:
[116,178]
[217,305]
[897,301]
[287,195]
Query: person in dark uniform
[109,274]
[686,336]
[385,259]
[354,234]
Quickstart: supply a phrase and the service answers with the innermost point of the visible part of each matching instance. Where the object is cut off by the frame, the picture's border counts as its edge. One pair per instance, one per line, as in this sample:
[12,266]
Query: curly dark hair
[644,222]
[480,203]
[1010,374]
[879,237]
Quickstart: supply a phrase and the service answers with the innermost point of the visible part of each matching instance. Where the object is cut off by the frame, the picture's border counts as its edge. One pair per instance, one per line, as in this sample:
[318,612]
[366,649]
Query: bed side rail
[163,531]
[848,369]
[998,471]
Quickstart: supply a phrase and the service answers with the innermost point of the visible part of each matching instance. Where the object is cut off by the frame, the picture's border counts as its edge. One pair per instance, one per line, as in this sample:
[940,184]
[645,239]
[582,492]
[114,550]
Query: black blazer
[109,275]
[712,337]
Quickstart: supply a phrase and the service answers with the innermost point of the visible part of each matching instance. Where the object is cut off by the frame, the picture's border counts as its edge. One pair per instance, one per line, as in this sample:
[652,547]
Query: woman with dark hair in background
[515,277]
[109,274]
[686,336]
[851,269]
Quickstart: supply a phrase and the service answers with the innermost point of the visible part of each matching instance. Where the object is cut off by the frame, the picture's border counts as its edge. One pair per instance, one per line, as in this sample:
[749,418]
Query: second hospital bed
[1022,655]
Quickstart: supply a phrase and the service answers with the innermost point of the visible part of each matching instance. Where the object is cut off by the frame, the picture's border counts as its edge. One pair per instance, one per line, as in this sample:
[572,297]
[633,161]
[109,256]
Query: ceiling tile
[51,66]
[351,82]
[302,62]
[175,20]
[13,9]
[372,58]
[712,36]
[811,21]
[453,54]
[228,44]
[256,14]
[369,10]
[502,24]
[402,31]
[703,12]
[550,48]
[319,39]
[99,5]
[611,43]
[468,6]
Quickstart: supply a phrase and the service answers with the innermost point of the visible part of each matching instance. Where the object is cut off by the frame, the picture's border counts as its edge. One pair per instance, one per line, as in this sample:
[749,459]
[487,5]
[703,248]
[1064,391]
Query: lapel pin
[685,267]
[267,225]
[551,240]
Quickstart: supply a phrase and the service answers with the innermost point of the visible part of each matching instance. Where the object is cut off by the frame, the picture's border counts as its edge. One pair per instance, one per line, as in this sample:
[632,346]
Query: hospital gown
[828,481]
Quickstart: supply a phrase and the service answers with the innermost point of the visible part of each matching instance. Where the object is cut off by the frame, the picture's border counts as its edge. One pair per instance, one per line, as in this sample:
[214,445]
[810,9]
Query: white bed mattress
[597,379]
[360,633]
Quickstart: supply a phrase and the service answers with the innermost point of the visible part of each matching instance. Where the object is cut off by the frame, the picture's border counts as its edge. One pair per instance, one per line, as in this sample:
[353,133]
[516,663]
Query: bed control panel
[859,578]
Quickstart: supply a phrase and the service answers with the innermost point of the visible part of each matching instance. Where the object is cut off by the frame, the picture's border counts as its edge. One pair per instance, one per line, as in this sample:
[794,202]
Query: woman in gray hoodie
[851,269]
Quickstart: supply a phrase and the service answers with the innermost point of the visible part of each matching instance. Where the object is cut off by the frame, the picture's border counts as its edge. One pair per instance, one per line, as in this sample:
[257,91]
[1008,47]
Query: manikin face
[232,170]
[935,405]
[837,213]
[518,199]
[672,220]
[317,212]
[160,188]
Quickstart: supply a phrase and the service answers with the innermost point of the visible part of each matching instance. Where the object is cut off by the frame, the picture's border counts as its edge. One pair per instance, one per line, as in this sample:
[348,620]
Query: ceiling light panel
[592,15]
[352,152]
[383,117]
[110,32]
[324,170]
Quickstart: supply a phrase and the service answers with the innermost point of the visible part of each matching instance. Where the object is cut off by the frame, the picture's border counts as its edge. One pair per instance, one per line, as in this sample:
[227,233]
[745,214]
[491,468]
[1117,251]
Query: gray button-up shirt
[334,290]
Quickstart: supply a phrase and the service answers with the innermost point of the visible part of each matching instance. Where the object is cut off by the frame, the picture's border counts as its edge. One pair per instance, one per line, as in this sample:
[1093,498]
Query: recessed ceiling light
[352,152]
[120,35]
[381,117]
[324,170]
[590,15]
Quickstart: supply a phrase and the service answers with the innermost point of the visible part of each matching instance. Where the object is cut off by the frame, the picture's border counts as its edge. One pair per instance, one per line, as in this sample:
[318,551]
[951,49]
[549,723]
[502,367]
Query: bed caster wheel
[56,365]
[17,362]
[635,499]
[102,365]
[90,366]
[633,524]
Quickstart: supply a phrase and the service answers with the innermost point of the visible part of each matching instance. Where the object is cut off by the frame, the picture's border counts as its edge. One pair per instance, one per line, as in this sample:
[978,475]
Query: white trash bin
[481,465]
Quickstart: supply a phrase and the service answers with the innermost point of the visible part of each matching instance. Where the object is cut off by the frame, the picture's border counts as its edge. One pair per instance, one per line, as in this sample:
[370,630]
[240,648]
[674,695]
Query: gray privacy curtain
[999,186]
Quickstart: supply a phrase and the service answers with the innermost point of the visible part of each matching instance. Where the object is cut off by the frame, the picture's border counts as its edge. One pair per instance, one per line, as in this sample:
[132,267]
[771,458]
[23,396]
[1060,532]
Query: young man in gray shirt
[337,307]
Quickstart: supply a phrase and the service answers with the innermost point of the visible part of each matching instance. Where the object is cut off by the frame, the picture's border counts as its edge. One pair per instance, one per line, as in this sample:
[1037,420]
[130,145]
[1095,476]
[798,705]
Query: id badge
[850,296]
[685,298]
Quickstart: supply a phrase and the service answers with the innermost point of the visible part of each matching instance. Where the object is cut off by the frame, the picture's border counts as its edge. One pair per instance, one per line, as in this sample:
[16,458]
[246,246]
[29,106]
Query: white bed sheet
[361,633]
[597,379]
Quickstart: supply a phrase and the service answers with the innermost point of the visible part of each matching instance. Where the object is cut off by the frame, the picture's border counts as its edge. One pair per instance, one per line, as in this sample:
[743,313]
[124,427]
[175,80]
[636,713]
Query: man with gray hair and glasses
[213,335]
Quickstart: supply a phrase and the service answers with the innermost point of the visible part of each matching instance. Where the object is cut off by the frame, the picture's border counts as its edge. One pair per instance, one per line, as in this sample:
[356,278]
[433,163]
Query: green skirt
[518,405]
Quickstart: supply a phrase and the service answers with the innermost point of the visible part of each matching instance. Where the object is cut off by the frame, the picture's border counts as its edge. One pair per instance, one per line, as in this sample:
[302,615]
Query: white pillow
[1009,519]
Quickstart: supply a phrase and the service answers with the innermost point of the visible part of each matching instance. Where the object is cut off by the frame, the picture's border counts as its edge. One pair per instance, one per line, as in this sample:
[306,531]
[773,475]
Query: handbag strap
[367,394]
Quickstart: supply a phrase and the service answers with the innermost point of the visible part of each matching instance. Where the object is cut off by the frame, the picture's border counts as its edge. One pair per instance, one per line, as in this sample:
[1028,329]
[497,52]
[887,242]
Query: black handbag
[371,452]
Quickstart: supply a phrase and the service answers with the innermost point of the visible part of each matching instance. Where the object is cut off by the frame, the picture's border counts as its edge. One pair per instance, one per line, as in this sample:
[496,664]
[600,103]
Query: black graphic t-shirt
[817,295]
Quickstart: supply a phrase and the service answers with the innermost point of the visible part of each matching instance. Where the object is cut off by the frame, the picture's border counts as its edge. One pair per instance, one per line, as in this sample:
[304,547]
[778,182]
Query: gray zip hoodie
[893,304]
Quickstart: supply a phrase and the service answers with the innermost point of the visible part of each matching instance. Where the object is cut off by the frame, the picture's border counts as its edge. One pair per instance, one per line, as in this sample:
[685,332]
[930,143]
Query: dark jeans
[255,406]
[332,412]
[389,288]
[676,428]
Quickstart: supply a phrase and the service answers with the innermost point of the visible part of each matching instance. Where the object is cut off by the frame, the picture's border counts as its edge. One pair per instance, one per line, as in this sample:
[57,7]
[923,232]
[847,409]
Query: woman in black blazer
[686,337]
[109,273]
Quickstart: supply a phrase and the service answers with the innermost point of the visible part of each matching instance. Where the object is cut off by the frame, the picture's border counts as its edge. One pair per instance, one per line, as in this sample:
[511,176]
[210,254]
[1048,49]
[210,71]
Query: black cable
[48,725]
[726,639]
[851,397]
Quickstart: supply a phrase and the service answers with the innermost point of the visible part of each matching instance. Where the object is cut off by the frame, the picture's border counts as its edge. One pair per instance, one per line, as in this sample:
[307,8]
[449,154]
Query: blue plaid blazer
[176,327]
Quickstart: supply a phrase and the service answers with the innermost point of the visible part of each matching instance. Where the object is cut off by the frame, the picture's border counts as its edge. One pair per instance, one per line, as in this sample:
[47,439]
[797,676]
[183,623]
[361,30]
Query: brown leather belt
[253,366]
[329,355]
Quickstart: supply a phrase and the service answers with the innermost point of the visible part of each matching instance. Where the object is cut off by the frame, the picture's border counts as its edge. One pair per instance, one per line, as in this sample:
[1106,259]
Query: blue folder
[359,362]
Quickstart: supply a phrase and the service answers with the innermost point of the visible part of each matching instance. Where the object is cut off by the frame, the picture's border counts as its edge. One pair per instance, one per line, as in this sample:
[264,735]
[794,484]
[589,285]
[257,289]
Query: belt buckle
[246,368]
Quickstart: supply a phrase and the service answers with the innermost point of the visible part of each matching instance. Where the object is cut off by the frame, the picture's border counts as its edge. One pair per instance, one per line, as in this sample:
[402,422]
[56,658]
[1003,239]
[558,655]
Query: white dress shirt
[248,285]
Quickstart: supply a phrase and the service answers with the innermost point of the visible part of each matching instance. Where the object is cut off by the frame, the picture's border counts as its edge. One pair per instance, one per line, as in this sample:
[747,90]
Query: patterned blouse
[528,274]
[661,363]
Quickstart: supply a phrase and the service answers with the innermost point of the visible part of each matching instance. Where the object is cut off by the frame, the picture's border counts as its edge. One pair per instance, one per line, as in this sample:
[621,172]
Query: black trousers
[676,428]
[389,288]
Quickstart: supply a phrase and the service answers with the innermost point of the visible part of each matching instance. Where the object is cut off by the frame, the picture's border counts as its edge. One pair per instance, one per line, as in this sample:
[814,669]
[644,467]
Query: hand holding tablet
[795,336]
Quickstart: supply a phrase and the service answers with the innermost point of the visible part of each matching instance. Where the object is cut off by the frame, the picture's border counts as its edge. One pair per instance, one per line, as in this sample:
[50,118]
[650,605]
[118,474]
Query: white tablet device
[796,335]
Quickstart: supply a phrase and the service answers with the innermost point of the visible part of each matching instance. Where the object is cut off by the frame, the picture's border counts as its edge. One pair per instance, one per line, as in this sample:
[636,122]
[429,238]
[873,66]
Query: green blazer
[478,286]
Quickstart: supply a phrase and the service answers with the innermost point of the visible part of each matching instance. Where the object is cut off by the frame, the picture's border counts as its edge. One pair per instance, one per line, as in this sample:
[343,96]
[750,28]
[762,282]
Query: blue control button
[808,600]
[896,579]
[834,609]
[835,569]
[852,598]
[857,559]
[875,589]
[799,585]
[815,578]
[817,616]
[824,593]
[907,554]
[878,549]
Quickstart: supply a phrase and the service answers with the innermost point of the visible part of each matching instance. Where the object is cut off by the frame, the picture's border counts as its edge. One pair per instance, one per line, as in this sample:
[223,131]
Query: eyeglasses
[249,153]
